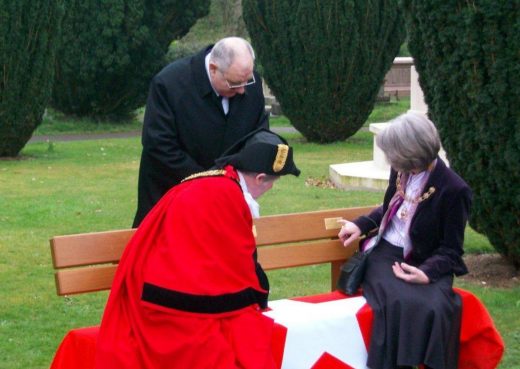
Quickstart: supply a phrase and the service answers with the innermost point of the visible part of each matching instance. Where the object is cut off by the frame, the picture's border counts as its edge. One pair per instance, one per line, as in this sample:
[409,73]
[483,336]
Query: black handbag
[352,272]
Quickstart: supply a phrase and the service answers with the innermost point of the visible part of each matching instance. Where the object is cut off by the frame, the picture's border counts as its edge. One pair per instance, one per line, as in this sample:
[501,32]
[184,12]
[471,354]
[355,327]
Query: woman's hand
[409,273]
[349,232]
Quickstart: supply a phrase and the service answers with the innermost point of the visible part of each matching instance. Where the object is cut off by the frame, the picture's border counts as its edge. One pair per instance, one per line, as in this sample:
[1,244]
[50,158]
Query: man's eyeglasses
[241,84]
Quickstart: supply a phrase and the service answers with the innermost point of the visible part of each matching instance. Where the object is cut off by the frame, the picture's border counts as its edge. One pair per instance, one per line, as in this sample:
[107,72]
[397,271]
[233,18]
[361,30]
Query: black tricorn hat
[261,151]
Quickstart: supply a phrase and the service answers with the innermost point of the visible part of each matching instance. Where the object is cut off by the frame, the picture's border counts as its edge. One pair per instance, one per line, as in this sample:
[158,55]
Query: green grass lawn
[83,186]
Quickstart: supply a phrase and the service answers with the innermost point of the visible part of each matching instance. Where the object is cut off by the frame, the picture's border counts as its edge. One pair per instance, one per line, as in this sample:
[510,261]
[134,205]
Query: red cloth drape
[481,346]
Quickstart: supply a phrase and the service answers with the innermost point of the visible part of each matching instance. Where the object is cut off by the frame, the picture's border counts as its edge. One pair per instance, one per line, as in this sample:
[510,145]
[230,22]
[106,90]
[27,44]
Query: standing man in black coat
[197,107]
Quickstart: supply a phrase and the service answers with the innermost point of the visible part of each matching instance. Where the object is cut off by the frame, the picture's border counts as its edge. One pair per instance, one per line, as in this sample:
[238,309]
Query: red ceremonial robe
[186,294]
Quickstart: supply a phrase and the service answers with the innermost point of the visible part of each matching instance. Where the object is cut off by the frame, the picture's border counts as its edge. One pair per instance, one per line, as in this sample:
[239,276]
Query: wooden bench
[87,262]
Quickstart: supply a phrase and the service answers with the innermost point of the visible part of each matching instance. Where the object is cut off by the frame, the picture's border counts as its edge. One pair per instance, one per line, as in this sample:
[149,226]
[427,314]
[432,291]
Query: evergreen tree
[467,55]
[28,33]
[325,60]
[111,49]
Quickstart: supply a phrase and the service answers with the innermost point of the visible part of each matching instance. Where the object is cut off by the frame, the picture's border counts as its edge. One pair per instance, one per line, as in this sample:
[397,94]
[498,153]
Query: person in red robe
[188,292]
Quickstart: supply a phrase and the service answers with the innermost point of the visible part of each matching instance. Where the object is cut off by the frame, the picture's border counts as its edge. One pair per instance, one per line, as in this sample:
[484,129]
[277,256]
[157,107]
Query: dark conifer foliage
[111,49]
[467,54]
[325,60]
[29,32]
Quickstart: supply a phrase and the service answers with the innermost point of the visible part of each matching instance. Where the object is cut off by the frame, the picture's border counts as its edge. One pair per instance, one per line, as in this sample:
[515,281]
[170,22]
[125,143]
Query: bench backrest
[87,262]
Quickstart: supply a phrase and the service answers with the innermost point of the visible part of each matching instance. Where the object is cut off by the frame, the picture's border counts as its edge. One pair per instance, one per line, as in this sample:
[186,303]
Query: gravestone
[373,174]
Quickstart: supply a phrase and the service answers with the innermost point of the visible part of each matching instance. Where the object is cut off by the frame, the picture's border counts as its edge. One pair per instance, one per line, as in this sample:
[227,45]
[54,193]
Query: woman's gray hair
[410,142]
[224,52]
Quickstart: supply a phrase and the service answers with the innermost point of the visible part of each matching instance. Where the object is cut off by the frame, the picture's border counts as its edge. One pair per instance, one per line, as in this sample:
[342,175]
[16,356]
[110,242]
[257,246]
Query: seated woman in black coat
[418,250]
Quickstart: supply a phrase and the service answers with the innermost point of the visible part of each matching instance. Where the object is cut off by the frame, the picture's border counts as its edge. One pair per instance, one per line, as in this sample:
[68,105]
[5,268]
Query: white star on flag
[316,328]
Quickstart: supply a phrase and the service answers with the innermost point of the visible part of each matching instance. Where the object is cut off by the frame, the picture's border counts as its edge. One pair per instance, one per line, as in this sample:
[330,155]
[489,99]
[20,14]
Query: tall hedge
[28,36]
[111,49]
[467,54]
[325,60]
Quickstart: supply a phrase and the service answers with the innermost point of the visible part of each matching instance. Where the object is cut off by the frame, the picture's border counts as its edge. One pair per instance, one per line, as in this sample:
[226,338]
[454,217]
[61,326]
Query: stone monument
[373,174]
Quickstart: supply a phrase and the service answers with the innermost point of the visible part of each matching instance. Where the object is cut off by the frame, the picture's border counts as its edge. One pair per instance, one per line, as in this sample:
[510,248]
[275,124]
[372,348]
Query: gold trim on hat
[208,173]
[281,157]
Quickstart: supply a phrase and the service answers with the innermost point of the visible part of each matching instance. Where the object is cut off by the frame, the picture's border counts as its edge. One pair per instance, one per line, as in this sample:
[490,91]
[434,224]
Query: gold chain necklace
[413,200]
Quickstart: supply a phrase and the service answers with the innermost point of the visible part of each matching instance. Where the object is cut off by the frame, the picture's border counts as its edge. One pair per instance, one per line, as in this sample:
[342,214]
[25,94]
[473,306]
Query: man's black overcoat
[185,128]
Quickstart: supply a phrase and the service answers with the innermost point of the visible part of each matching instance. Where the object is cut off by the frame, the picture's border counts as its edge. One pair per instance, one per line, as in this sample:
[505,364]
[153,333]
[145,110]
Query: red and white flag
[331,331]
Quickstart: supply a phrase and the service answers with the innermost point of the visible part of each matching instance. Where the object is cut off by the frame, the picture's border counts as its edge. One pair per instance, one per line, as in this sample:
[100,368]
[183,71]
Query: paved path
[98,136]
[84,136]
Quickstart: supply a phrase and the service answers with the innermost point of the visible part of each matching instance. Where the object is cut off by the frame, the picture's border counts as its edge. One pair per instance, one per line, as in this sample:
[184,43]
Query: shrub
[180,50]
[28,36]
[325,61]
[110,50]
[467,56]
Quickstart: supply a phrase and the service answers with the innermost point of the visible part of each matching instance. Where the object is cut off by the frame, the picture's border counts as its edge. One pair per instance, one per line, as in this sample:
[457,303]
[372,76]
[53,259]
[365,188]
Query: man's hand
[349,232]
[409,273]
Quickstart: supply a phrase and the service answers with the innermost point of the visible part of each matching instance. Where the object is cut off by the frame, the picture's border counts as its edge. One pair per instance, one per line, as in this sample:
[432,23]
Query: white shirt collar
[254,207]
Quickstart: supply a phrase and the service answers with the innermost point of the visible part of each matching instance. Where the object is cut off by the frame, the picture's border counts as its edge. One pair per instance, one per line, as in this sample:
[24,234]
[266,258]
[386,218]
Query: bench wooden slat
[304,226]
[81,280]
[107,247]
[87,262]
[291,255]
[89,248]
